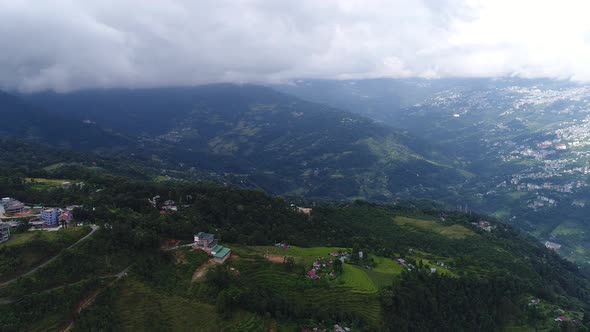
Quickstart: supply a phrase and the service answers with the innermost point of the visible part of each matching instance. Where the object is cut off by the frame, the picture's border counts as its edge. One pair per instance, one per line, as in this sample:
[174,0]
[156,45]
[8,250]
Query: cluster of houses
[342,255]
[484,225]
[405,264]
[324,266]
[168,206]
[321,267]
[208,243]
[39,217]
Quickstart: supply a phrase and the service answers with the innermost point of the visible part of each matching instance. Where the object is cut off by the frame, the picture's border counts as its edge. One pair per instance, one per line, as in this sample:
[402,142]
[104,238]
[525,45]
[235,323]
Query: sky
[67,45]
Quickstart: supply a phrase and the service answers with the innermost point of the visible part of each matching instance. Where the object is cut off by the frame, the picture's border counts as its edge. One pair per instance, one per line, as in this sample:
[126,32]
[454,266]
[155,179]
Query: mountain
[261,138]
[21,120]
[525,143]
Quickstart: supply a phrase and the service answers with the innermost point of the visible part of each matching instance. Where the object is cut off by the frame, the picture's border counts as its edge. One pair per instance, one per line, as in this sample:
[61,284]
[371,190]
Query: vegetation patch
[357,279]
[453,231]
[42,183]
[23,251]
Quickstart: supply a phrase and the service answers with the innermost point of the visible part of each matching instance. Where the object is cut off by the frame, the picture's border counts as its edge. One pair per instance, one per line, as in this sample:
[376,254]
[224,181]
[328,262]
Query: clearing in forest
[452,231]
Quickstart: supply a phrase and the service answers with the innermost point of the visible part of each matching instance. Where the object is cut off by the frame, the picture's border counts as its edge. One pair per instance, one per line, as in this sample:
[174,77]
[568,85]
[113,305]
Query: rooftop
[206,236]
[222,253]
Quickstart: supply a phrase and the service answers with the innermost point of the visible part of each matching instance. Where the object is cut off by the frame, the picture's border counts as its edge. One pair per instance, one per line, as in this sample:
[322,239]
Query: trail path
[49,261]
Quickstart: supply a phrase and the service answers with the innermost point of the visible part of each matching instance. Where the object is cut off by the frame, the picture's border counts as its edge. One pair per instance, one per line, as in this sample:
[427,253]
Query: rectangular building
[50,217]
[4,231]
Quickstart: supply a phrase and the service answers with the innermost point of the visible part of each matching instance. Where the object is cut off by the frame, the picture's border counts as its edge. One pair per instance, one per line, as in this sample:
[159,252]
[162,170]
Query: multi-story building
[208,243]
[4,231]
[12,205]
[50,216]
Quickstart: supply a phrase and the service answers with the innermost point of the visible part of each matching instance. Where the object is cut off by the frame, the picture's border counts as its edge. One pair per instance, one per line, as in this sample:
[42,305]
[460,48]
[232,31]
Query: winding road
[49,261]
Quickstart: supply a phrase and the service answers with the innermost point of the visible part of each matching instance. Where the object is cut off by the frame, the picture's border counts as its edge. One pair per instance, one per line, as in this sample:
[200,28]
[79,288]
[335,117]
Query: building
[208,243]
[66,216]
[4,231]
[304,210]
[552,245]
[50,217]
[205,241]
[12,206]
[220,254]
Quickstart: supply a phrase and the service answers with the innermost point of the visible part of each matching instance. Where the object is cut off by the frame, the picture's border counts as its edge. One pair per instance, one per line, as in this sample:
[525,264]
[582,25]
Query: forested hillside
[480,278]
[264,139]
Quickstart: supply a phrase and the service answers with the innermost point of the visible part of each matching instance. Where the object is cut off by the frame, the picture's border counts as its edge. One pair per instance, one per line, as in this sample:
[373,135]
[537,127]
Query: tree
[338,266]
[289,263]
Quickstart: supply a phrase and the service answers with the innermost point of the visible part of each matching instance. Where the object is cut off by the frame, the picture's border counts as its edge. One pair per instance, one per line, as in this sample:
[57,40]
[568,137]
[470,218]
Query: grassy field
[452,232]
[41,183]
[386,265]
[25,237]
[568,228]
[357,278]
[304,256]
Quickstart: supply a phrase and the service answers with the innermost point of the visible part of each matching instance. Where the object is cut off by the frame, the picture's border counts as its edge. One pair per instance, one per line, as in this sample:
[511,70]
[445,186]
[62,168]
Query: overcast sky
[68,45]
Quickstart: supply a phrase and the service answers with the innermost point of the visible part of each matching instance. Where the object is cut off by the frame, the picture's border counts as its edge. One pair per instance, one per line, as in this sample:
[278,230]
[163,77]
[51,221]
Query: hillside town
[38,217]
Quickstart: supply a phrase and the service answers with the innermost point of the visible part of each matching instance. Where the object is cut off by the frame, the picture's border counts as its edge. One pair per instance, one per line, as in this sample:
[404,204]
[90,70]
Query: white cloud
[67,45]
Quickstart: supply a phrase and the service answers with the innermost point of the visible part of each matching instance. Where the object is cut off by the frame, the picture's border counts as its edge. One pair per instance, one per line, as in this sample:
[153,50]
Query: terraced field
[323,301]
[357,279]
[452,232]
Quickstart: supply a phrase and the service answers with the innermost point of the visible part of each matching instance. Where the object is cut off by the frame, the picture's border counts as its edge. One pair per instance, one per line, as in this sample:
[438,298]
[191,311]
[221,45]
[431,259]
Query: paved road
[94,229]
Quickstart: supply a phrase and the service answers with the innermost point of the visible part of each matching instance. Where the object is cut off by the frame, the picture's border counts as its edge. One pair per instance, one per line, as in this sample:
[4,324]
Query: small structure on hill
[304,210]
[208,243]
[552,245]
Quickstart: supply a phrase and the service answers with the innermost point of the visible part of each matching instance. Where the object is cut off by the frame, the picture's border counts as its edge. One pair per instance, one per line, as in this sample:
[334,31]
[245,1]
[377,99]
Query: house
[4,231]
[221,255]
[50,216]
[66,216]
[304,210]
[205,241]
[552,245]
[208,243]
[562,319]
[169,205]
[534,302]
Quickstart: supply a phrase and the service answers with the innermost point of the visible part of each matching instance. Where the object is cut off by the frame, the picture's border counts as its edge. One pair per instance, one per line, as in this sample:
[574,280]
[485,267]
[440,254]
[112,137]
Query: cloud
[66,45]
